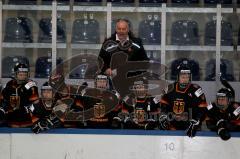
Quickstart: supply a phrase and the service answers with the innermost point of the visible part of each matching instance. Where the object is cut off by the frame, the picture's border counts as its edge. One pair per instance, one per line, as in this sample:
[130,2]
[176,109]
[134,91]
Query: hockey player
[139,109]
[44,107]
[77,105]
[102,114]
[224,113]
[183,107]
[20,93]
[65,97]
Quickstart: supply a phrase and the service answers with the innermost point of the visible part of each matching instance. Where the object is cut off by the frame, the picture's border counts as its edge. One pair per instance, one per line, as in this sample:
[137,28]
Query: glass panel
[22,32]
[86,32]
[188,37]
[229,37]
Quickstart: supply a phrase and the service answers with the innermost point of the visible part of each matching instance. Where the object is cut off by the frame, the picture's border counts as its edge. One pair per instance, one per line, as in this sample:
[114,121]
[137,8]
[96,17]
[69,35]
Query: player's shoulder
[194,86]
[11,82]
[198,91]
[30,84]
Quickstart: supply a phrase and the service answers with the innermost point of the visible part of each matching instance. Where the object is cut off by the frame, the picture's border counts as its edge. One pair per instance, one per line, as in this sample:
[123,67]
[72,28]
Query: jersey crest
[178,107]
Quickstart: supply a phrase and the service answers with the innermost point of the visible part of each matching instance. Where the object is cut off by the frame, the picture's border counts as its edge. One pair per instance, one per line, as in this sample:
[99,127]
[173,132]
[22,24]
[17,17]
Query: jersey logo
[140,115]
[99,111]
[30,85]
[198,92]
[178,107]
[15,102]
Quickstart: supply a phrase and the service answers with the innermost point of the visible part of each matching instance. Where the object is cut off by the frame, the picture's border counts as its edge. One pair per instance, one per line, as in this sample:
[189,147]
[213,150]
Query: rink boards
[114,144]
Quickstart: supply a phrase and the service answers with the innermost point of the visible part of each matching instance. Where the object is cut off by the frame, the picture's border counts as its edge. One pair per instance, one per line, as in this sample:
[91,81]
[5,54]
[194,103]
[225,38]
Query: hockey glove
[151,125]
[116,123]
[44,124]
[222,131]
[224,134]
[164,123]
[192,128]
[29,109]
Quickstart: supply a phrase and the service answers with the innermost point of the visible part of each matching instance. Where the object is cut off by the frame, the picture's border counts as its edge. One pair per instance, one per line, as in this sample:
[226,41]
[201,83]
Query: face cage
[101,83]
[184,84]
[140,90]
[222,95]
[47,99]
[22,81]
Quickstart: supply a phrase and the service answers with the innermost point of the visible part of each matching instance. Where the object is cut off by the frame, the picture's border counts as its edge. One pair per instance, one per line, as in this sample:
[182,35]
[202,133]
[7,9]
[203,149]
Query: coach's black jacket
[135,52]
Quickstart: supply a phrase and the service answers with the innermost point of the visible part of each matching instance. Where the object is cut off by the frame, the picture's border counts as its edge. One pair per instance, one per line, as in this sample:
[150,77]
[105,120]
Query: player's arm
[198,111]
[52,121]
[32,90]
[163,117]
[4,103]
[199,105]
[3,108]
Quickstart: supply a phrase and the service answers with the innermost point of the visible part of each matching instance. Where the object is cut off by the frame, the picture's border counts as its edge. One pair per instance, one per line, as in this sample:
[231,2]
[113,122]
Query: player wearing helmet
[20,93]
[183,107]
[102,113]
[223,114]
[139,109]
[46,103]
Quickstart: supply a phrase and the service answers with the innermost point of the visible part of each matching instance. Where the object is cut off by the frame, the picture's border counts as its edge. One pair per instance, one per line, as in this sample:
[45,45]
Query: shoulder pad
[157,99]
[210,106]
[30,84]
[236,111]
[198,92]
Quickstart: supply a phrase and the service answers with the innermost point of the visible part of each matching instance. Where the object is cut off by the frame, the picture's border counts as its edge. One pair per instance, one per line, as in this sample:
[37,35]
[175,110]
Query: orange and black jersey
[147,104]
[191,96]
[231,114]
[16,97]
[178,102]
[73,93]
[43,109]
[100,115]
[142,109]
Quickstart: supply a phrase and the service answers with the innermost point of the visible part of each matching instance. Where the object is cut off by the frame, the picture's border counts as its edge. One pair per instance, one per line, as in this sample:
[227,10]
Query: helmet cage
[101,82]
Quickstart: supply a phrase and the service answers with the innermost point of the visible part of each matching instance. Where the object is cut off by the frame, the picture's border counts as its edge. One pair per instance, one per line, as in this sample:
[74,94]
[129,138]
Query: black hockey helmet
[46,86]
[47,95]
[102,81]
[21,67]
[224,93]
[139,88]
[184,68]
